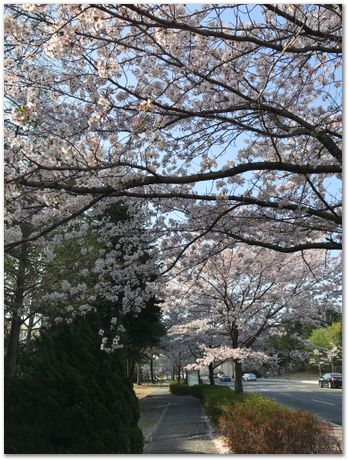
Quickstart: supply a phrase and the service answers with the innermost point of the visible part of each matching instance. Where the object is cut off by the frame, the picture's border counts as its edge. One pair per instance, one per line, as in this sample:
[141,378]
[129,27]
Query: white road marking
[286,394]
[324,402]
[149,439]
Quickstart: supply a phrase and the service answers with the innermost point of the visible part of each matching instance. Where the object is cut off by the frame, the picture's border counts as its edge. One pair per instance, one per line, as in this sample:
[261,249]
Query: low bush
[258,425]
[214,398]
[179,389]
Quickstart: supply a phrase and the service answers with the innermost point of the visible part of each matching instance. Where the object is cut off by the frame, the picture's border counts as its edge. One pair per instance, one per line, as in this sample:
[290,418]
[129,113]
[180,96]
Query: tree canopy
[227,115]
[327,337]
[218,124]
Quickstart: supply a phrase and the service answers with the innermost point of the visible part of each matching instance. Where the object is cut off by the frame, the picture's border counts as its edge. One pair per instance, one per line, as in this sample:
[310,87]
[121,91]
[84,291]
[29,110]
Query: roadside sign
[192,378]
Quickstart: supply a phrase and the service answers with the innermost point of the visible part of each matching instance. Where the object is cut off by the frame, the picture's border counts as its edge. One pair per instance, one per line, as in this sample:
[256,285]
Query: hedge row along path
[176,425]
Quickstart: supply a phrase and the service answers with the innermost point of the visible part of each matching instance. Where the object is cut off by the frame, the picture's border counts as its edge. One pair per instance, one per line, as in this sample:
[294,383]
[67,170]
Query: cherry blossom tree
[227,115]
[180,349]
[188,345]
[218,123]
[90,263]
[241,295]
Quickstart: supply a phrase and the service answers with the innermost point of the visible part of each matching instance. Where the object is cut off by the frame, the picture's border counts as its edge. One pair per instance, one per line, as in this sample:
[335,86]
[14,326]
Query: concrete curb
[337,432]
[219,441]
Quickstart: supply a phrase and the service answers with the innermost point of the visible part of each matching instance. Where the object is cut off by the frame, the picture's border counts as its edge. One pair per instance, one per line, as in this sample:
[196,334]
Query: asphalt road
[322,402]
[175,425]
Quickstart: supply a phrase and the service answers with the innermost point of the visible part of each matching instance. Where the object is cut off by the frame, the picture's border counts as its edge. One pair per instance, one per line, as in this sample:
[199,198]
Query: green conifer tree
[71,398]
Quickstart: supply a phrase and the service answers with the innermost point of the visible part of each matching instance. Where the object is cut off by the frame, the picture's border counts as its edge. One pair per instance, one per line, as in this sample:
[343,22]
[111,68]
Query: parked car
[331,380]
[249,377]
[225,379]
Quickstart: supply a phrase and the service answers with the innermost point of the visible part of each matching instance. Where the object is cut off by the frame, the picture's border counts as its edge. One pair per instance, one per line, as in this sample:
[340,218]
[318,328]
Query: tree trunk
[10,361]
[127,368]
[179,373]
[151,370]
[211,374]
[238,381]
[132,374]
[139,379]
[29,332]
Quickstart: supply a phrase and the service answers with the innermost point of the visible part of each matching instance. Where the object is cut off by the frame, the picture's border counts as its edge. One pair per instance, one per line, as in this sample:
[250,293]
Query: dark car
[225,379]
[331,380]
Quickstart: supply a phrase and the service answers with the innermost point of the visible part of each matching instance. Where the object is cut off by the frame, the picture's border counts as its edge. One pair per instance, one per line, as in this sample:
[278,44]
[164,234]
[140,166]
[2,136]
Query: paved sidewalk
[176,425]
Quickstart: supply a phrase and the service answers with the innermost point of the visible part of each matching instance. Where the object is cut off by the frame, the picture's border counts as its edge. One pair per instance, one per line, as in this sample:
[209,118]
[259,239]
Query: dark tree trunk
[238,381]
[128,368]
[132,374]
[211,374]
[29,332]
[139,374]
[10,361]
[151,370]
[179,373]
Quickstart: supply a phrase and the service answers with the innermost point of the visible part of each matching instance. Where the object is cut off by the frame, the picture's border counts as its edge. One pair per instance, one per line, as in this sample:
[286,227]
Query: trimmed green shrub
[179,389]
[214,398]
[71,397]
[198,391]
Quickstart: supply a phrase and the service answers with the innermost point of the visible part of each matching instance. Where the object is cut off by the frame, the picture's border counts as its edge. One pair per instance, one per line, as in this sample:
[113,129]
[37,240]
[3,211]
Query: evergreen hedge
[180,389]
[71,397]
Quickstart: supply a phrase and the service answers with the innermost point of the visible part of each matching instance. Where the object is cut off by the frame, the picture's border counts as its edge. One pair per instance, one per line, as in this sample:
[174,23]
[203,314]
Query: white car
[249,377]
